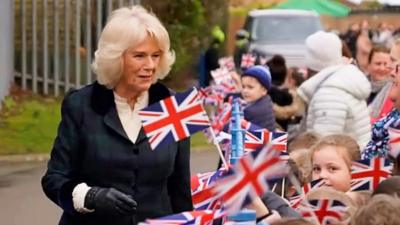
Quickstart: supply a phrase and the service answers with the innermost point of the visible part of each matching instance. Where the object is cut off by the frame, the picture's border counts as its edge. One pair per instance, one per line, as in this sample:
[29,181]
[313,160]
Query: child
[299,151]
[292,221]
[256,81]
[331,159]
[382,209]
[303,141]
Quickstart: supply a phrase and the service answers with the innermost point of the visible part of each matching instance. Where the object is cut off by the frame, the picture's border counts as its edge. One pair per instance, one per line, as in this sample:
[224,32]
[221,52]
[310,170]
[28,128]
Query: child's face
[252,90]
[329,164]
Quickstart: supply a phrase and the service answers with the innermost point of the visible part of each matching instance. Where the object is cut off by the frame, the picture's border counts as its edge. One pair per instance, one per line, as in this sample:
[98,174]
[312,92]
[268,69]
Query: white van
[281,31]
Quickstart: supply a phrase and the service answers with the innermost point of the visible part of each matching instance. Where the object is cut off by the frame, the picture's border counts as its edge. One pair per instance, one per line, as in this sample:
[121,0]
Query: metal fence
[55,41]
[6,47]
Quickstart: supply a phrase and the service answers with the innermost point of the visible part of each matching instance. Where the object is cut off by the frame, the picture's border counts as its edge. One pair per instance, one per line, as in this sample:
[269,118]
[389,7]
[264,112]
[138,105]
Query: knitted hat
[261,73]
[323,49]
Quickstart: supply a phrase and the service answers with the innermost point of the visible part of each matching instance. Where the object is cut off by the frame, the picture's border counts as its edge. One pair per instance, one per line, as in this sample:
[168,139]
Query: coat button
[136,150]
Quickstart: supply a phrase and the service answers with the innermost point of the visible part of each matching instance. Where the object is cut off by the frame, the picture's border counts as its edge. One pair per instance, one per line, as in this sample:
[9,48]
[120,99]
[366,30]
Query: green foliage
[189,23]
[184,20]
[198,141]
[243,10]
[29,125]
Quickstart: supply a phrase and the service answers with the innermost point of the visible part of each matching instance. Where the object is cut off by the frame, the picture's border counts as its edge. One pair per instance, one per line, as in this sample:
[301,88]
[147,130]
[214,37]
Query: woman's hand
[109,201]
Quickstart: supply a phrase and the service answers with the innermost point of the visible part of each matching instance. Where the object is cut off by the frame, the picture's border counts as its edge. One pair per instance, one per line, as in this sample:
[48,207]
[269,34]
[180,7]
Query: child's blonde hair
[382,209]
[292,221]
[360,198]
[302,159]
[352,152]
[303,141]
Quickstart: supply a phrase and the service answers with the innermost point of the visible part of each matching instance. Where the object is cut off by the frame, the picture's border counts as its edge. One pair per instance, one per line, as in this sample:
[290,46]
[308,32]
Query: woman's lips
[145,76]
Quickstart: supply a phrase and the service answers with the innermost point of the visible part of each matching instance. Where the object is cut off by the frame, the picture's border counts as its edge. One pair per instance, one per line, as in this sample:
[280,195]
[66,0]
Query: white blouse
[128,117]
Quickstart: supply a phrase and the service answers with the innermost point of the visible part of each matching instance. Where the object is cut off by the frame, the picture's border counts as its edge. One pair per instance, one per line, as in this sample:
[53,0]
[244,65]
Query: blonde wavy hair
[126,28]
[351,148]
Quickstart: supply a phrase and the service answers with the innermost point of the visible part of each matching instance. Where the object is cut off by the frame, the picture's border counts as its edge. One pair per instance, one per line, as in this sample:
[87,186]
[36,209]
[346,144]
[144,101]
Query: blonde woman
[102,170]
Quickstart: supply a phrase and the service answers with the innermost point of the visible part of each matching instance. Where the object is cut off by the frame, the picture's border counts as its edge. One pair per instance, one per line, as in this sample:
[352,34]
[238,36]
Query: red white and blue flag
[202,217]
[257,139]
[223,117]
[203,195]
[249,178]
[295,201]
[248,60]
[326,211]
[174,118]
[227,62]
[367,174]
[220,75]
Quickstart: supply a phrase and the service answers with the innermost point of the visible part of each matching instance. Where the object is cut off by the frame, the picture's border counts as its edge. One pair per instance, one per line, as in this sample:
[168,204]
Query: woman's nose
[150,63]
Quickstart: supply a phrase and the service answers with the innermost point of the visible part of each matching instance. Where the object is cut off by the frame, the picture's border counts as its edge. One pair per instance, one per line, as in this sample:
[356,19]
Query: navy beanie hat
[261,73]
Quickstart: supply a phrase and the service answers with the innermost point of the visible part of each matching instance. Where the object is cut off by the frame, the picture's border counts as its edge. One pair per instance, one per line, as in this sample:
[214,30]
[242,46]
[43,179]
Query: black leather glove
[109,201]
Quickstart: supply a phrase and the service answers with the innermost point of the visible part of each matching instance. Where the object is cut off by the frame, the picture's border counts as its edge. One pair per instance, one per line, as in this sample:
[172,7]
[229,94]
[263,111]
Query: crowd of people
[343,108]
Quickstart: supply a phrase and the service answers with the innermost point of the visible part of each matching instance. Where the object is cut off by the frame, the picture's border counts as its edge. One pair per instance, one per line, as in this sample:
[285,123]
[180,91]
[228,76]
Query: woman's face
[330,165]
[252,90]
[394,93]
[139,65]
[378,68]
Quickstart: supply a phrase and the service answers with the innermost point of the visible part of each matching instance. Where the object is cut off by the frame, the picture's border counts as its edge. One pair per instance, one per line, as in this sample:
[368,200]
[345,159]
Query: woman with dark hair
[279,95]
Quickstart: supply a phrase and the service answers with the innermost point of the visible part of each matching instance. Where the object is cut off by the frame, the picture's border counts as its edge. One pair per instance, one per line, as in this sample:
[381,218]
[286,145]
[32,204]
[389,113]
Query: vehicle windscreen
[283,29]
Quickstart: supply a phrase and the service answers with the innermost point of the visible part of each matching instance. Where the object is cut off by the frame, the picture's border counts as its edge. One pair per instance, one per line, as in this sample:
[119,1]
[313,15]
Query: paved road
[23,202]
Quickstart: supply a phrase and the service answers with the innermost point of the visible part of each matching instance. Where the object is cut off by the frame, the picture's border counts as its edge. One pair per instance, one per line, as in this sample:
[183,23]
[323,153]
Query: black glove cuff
[89,198]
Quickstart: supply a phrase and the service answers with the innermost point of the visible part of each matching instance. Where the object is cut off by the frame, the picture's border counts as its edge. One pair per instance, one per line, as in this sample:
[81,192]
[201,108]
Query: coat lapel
[102,101]
[111,119]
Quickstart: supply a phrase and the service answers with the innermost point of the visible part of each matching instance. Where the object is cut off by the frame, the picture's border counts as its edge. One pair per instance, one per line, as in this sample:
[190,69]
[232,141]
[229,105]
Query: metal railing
[55,41]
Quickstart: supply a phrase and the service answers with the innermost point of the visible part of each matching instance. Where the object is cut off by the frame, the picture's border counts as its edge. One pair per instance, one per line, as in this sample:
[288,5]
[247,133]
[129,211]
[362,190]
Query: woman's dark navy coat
[92,147]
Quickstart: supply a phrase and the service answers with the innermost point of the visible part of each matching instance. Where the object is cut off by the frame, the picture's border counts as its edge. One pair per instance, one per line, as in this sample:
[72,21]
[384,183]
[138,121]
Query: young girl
[256,81]
[331,160]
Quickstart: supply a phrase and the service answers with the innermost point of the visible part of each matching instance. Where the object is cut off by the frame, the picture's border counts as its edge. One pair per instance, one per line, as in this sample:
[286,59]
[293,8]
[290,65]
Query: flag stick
[273,187]
[283,188]
[218,148]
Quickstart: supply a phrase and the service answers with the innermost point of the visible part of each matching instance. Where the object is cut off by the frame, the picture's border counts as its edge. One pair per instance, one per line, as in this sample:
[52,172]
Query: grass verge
[28,125]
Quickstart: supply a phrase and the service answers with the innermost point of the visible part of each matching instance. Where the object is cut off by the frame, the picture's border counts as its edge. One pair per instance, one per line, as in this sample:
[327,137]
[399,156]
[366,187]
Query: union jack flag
[248,178]
[174,118]
[229,86]
[202,217]
[247,60]
[257,139]
[227,62]
[326,211]
[208,218]
[203,196]
[394,142]
[221,74]
[367,174]
[295,201]
[211,97]
[223,117]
